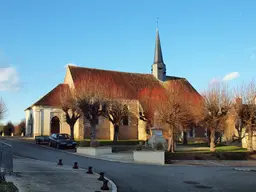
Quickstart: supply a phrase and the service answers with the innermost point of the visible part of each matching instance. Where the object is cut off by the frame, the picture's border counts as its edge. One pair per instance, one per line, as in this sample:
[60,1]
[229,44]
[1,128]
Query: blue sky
[202,40]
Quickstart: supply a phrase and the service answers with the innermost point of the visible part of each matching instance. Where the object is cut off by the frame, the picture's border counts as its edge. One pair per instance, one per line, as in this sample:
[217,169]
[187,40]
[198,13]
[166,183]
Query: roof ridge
[45,95]
[71,66]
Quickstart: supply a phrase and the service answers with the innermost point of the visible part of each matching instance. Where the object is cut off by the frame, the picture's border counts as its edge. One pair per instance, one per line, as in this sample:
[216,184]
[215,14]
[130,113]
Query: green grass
[219,148]
[8,187]
[230,149]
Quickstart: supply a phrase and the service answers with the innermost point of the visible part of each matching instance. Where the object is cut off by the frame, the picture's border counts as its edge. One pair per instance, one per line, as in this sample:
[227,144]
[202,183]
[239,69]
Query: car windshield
[63,136]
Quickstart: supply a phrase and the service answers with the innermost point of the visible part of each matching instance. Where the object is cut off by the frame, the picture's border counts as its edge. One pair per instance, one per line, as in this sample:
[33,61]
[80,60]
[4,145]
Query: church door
[55,125]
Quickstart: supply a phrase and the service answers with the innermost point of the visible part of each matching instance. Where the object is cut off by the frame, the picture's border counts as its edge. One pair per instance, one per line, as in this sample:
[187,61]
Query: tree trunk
[249,142]
[171,142]
[93,134]
[116,131]
[72,131]
[212,141]
[185,138]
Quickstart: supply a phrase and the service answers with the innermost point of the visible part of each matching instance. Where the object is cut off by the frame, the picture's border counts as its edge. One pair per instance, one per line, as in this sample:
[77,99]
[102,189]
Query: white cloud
[231,76]
[9,78]
[70,64]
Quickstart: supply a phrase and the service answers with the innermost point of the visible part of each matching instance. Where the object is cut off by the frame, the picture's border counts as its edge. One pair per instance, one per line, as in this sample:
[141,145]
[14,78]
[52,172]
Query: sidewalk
[40,176]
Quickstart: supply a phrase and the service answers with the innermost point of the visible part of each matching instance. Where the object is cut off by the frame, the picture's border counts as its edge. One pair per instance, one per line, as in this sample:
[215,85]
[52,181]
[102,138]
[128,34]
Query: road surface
[149,178]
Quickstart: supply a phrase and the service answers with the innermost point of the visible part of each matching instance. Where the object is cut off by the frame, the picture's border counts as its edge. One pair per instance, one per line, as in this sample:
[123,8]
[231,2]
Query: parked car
[61,140]
[41,139]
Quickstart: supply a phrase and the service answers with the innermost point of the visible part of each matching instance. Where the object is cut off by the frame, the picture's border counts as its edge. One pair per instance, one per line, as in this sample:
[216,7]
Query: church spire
[158,68]
[158,51]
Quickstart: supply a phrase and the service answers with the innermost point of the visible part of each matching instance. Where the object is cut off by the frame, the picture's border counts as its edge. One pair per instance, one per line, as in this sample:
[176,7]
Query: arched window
[126,117]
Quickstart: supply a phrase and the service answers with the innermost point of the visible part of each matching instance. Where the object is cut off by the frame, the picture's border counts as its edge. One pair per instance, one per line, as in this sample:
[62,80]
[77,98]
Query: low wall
[154,157]
[94,151]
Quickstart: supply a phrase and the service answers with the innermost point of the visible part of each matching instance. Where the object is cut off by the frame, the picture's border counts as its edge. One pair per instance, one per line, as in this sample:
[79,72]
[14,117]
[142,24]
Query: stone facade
[38,120]
[41,124]
[136,129]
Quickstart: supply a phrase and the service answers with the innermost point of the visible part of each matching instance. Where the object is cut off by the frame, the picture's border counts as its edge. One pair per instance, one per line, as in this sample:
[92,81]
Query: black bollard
[75,166]
[105,185]
[60,162]
[101,178]
[89,170]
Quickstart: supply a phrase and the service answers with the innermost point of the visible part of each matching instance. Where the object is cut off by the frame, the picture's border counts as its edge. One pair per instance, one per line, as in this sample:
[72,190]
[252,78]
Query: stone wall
[105,130]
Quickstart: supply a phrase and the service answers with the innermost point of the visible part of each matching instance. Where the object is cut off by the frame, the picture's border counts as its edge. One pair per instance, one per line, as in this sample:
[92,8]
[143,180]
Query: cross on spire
[157,19]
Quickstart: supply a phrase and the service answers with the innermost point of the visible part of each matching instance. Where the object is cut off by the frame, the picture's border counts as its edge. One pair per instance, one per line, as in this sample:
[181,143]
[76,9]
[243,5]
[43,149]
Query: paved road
[150,178]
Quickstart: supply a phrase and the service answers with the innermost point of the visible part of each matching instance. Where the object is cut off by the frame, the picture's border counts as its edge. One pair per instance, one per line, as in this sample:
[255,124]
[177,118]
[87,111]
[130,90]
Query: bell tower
[158,68]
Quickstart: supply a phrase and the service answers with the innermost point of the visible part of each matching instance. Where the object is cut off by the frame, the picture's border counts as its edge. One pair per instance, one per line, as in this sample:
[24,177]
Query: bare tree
[89,98]
[20,128]
[216,105]
[114,107]
[149,98]
[68,105]
[239,110]
[175,111]
[2,109]
[246,111]
[115,111]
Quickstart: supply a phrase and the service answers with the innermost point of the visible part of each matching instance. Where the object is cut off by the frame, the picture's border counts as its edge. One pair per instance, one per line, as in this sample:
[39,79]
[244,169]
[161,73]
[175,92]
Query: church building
[45,116]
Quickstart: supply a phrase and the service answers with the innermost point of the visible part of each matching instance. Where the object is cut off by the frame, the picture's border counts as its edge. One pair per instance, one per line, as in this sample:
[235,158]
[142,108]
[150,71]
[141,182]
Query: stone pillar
[37,123]
[142,135]
[111,131]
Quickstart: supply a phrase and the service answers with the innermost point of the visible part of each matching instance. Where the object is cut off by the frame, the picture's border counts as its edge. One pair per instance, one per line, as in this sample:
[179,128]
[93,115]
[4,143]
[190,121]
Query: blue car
[59,141]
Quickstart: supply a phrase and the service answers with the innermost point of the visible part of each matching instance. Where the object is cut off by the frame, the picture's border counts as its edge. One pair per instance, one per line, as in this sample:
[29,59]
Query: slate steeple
[158,68]
[158,51]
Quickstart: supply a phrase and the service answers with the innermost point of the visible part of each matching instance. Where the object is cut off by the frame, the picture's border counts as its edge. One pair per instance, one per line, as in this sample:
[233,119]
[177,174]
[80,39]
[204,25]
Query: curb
[245,169]
[113,185]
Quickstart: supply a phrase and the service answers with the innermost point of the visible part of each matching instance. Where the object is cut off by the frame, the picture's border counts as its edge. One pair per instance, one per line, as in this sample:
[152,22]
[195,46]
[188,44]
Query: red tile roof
[131,83]
[128,82]
[52,98]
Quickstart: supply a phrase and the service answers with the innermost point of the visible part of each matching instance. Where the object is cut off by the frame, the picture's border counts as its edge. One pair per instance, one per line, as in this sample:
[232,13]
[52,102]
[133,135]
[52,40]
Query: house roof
[131,83]
[52,98]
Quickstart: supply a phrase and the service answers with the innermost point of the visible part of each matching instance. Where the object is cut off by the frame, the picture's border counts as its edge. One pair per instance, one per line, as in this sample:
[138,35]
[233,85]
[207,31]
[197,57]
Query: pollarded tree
[149,98]
[246,111]
[239,114]
[68,105]
[114,106]
[115,111]
[216,105]
[89,96]
[175,111]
